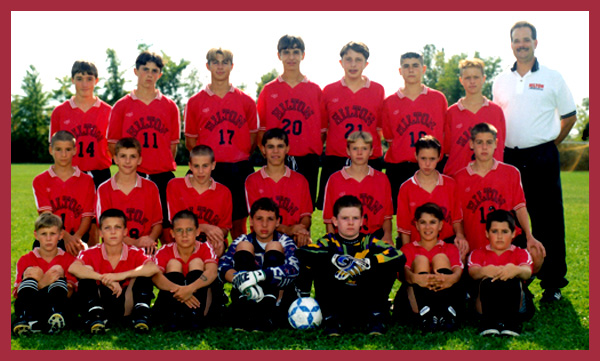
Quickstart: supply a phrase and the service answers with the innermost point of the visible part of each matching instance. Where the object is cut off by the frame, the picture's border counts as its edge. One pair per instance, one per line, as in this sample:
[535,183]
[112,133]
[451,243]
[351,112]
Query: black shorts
[161,180]
[307,165]
[233,176]
[331,164]
[397,174]
[99,176]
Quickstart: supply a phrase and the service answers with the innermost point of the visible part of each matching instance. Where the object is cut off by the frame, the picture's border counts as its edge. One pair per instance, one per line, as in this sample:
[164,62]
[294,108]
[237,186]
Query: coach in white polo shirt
[539,111]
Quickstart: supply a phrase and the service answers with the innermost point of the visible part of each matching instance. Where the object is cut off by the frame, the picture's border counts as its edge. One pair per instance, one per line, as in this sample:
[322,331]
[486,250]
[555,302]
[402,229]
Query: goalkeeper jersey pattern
[280,276]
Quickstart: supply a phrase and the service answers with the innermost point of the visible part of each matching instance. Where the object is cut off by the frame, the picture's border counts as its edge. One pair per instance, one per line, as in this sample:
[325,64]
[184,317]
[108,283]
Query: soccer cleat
[332,327]
[56,322]
[141,318]
[23,325]
[428,321]
[376,329]
[511,329]
[551,295]
[489,331]
[448,322]
[97,326]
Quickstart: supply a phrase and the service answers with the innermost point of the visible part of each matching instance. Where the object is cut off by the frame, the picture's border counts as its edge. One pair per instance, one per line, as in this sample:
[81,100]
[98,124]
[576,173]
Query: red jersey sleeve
[328,200]
[403,213]
[453,255]
[517,190]
[114,132]
[156,216]
[138,256]
[162,257]
[190,117]
[54,123]
[306,205]
[226,222]
[175,124]
[476,258]
[90,196]
[261,107]
[251,114]
[386,125]
[207,253]
[409,251]
[42,201]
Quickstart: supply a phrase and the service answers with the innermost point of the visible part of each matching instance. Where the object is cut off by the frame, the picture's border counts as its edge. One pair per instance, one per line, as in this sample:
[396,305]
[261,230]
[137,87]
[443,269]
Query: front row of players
[114,281]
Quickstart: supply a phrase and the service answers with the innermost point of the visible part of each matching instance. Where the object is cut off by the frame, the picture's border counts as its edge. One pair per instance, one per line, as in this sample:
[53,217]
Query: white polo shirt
[532,104]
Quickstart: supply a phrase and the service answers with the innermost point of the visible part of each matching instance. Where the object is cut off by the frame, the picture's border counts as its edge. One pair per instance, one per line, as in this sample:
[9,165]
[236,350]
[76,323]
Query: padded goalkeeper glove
[244,279]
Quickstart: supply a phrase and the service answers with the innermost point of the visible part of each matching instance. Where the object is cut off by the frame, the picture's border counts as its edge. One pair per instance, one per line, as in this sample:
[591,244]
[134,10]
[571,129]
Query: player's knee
[33,272]
[440,260]
[245,246]
[421,264]
[274,246]
[58,269]
[174,266]
[196,265]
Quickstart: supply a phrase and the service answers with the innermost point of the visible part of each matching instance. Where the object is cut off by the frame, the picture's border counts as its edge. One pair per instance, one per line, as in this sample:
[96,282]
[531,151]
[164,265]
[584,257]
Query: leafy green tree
[192,84]
[115,83]
[170,82]
[64,91]
[30,120]
[583,119]
[273,74]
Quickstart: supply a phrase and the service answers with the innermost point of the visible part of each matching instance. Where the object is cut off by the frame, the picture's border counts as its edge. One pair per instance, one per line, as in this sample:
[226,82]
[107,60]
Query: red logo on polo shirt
[536,86]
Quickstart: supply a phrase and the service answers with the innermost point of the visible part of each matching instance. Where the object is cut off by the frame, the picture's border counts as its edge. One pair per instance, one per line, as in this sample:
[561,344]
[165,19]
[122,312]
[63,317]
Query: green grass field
[562,326]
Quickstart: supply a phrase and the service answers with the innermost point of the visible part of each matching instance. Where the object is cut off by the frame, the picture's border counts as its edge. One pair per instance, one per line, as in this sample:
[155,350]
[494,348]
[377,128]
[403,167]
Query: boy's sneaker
[511,329]
[429,322]
[448,321]
[332,326]
[141,318]
[96,322]
[551,295]
[56,322]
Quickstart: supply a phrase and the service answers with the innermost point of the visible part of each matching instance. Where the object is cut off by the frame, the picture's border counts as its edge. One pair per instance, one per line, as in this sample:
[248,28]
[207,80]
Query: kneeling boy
[107,270]
[43,282]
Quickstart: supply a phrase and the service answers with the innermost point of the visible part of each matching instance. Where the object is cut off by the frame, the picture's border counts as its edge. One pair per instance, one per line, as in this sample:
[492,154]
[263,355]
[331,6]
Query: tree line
[30,113]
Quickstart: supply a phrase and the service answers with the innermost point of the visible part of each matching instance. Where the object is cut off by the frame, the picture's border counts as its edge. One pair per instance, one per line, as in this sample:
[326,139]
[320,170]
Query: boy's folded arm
[81,271]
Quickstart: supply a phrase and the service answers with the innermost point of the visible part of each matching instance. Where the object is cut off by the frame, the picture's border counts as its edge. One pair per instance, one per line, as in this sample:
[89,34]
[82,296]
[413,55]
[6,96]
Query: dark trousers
[540,176]
[308,166]
[397,174]
[99,176]
[501,300]
[41,304]
[168,309]
[161,180]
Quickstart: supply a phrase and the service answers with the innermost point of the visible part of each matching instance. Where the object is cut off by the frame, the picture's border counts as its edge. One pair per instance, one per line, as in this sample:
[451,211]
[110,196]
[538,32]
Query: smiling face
[428,227]
[264,224]
[522,44]
[275,150]
[291,58]
[127,159]
[500,235]
[348,222]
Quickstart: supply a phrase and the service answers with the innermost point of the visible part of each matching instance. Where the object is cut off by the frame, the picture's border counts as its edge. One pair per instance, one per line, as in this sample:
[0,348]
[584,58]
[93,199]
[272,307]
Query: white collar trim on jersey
[348,176]
[115,185]
[471,171]
[304,80]
[74,106]
[424,91]
[265,175]
[188,182]
[157,97]
[76,173]
[367,82]
[461,107]
[211,93]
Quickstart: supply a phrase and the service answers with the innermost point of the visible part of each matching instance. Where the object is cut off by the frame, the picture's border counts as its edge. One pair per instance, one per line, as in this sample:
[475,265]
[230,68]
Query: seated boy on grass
[43,284]
[188,268]
[69,193]
[501,270]
[432,271]
[105,273]
[353,272]
[262,267]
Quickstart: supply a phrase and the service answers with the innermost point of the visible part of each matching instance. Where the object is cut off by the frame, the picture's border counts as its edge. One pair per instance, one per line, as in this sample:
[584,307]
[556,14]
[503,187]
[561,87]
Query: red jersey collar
[348,176]
[188,182]
[115,186]
[461,107]
[77,172]
[157,97]
[304,80]
[36,252]
[176,251]
[74,106]
[211,93]
[489,248]
[263,172]
[440,181]
[471,171]
[124,252]
[439,243]
[367,83]
[424,91]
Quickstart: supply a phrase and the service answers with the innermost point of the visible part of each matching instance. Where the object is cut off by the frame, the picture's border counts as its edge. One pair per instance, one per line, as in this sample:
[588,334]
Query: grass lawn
[564,325]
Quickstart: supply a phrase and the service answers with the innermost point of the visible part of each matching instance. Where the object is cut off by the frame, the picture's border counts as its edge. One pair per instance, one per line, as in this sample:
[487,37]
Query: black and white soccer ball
[305,313]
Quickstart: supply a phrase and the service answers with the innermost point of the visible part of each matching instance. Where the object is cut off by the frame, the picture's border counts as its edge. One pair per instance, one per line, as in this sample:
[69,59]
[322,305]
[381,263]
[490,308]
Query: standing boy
[224,118]
[352,104]
[86,116]
[472,109]
[43,284]
[107,270]
[353,272]
[66,191]
[293,103]
[408,115]
[287,188]
[153,119]
[137,197]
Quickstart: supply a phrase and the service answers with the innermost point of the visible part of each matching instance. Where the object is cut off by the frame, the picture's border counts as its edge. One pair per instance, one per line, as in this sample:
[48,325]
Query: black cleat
[551,295]
[56,323]
[332,326]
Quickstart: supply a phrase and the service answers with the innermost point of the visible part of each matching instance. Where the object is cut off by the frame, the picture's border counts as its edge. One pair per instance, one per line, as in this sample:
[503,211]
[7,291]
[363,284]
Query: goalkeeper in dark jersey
[353,272]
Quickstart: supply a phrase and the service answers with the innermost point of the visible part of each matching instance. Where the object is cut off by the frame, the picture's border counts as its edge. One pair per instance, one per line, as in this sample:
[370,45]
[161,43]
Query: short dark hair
[112,213]
[47,220]
[185,214]
[62,136]
[84,67]
[356,46]
[428,142]
[290,42]
[275,133]
[347,201]
[429,208]
[212,55]
[524,24]
[483,128]
[128,143]
[147,56]
[412,55]
[202,149]
[500,215]
[264,204]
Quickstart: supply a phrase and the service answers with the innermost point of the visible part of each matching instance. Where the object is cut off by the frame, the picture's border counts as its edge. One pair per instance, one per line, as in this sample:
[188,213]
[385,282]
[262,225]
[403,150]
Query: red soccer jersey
[413,249]
[96,257]
[500,189]
[348,112]
[155,125]
[405,121]
[141,206]
[34,259]
[71,200]
[459,122]
[212,207]
[297,111]
[89,128]
[374,191]
[291,194]
[486,256]
[202,250]
[224,124]
[411,196]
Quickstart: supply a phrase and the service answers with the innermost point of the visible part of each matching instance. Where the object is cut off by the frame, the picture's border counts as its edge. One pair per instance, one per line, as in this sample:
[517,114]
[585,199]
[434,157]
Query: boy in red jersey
[137,197]
[107,270]
[293,103]
[153,119]
[429,185]
[199,193]
[43,284]
[86,116]
[486,185]
[352,104]
[287,188]
[67,192]
[188,268]
[472,109]
[224,118]
[412,112]
[432,271]
[502,270]
[367,184]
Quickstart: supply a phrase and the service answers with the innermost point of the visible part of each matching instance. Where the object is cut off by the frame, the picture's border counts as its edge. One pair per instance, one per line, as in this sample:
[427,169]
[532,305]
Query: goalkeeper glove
[244,279]
[254,293]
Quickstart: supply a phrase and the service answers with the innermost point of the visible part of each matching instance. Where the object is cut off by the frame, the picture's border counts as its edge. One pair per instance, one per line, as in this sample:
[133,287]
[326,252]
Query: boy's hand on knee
[73,245]
[192,302]
[183,293]
[116,288]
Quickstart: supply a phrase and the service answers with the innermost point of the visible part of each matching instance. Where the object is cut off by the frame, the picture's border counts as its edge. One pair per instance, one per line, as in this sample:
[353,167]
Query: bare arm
[81,271]
[523,217]
[190,143]
[148,269]
[387,232]
[566,124]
